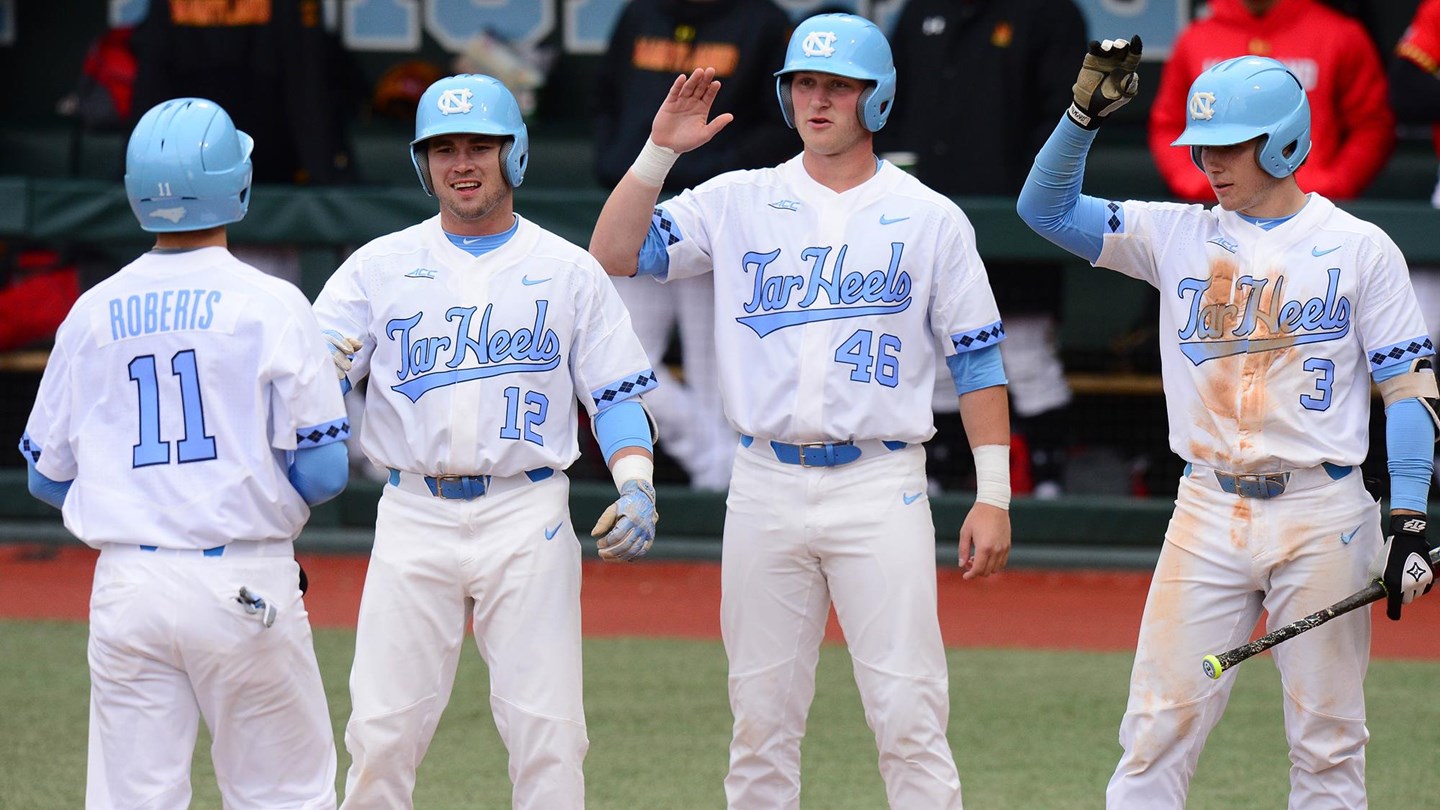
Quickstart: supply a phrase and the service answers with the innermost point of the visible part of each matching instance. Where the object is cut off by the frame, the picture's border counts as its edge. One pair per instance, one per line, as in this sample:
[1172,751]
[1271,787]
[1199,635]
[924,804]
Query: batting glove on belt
[342,351]
[1407,563]
[1107,80]
[627,528]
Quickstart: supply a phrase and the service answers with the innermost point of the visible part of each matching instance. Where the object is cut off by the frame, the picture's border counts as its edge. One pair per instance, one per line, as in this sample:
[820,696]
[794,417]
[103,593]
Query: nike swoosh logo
[1317,252]
[550,533]
[884,220]
[470,241]
[530,282]
[1345,538]
[909,499]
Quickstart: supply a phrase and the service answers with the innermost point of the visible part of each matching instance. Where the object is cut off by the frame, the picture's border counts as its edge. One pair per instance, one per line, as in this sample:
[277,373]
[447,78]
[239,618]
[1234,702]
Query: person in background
[1352,127]
[1014,59]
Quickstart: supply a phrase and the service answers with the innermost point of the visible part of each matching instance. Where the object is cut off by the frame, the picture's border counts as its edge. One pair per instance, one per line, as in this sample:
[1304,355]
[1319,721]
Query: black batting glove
[1107,80]
[1408,573]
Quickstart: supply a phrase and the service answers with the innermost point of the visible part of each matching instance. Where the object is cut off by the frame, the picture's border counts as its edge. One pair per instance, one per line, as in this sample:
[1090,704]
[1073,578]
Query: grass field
[1031,730]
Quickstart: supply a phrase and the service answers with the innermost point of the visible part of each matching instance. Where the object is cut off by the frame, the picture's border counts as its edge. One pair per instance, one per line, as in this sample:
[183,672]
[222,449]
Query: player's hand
[984,541]
[342,351]
[1107,80]
[1407,563]
[683,121]
[627,528]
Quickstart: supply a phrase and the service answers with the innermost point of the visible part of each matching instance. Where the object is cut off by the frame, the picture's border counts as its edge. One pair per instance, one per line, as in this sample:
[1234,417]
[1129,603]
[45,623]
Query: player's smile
[474,197]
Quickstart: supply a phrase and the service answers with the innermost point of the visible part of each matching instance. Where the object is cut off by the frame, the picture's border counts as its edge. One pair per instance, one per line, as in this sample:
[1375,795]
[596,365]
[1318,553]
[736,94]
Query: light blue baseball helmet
[187,167]
[842,45]
[474,104]
[1249,97]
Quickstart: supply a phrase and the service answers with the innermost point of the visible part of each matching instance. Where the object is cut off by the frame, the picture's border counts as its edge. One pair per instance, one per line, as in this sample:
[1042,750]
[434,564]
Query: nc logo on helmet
[1202,105]
[819,43]
[454,101]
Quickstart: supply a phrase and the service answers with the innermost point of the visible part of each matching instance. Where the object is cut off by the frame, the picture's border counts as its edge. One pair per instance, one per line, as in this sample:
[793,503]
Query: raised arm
[1051,202]
[682,124]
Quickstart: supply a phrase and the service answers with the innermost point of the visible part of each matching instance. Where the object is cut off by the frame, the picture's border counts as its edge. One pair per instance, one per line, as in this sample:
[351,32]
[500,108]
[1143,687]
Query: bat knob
[1212,667]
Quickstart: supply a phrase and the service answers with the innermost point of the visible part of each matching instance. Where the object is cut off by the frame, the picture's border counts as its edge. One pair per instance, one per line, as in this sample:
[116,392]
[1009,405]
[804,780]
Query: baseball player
[186,420]
[479,330]
[835,273]
[1274,305]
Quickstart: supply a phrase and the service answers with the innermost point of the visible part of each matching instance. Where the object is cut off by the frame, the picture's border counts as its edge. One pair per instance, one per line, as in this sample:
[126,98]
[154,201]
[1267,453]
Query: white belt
[238,548]
[1266,485]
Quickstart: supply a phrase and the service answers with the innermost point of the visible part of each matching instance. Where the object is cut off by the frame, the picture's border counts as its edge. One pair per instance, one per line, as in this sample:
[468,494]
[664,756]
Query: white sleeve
[1133,249]
[47,433]
[344,306]
[682,219]
[306,407]
[963,314]
[607,363]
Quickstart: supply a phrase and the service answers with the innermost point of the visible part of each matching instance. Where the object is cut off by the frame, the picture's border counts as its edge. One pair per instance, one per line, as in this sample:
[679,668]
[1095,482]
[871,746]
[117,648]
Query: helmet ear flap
[787,104]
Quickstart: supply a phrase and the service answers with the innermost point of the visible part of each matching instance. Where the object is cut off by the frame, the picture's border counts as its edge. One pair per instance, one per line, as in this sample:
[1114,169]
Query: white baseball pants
[509,561]
[795,540]
[1224,560]
[169,644]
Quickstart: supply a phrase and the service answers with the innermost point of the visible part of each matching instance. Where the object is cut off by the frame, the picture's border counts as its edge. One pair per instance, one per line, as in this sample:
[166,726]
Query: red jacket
[1420,45]
[1352,129]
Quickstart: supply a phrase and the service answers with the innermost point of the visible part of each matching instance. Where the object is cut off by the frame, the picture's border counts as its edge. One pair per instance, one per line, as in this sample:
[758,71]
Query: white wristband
[633,466]
[653,163]
[992,475]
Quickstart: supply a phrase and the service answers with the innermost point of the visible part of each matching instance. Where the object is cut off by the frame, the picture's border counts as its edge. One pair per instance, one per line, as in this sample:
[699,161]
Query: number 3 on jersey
[196,445]
[862,351]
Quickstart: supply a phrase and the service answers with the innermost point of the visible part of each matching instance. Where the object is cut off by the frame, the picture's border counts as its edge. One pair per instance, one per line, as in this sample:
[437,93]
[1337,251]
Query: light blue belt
[824,454]
[1269,485]
[466,487]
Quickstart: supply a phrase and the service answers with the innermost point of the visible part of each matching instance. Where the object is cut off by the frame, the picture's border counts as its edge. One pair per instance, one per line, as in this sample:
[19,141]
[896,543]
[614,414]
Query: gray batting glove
[627,528]
[1107,80]
[342,351]
[256,605]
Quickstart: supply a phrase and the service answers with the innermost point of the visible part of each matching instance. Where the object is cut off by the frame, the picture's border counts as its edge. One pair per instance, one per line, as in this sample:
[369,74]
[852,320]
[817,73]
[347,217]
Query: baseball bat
[1215,665]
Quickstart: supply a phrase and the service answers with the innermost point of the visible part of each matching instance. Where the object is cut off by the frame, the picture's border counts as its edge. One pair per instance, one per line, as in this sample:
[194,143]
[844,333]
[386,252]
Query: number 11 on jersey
[195,445]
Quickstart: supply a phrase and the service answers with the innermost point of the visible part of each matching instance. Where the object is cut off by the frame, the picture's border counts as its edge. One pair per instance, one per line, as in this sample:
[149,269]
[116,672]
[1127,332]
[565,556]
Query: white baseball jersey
[828,306]
[174,391]
[475,363]
[1268,338]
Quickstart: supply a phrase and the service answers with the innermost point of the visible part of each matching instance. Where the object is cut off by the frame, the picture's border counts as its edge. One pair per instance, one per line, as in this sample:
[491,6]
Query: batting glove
[1107,80]
[627,528]
[342,351]
[1408,573]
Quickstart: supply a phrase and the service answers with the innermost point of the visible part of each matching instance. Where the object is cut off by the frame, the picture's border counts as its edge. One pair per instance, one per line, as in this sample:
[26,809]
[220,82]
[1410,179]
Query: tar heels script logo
[826,291]
[1281,324]
[495,351]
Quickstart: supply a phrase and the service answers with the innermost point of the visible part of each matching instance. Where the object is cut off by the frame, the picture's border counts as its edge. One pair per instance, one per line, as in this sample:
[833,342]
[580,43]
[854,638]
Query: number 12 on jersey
[862,351]
[195,445]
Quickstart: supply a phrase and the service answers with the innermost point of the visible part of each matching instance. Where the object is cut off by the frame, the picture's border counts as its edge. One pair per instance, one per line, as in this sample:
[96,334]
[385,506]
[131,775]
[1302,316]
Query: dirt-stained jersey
[1268,338]
[475,363]
[174,390]
[855,288]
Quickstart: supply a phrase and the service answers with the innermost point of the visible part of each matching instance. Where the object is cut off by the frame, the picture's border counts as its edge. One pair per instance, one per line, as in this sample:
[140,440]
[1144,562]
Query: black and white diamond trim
[621,390]
[30,449]
[1406,352]
[979,338]
[336,431]
[667,226]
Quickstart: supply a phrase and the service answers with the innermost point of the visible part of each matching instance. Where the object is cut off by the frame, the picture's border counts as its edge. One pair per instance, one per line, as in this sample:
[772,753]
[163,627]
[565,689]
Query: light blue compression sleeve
[653,259]
[1051,202]
[1409,446]
[44,489]
[978,369]
[320,473]
[623,424]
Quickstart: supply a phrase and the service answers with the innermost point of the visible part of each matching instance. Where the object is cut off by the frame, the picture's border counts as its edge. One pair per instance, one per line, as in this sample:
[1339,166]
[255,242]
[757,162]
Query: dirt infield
[1077,610]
